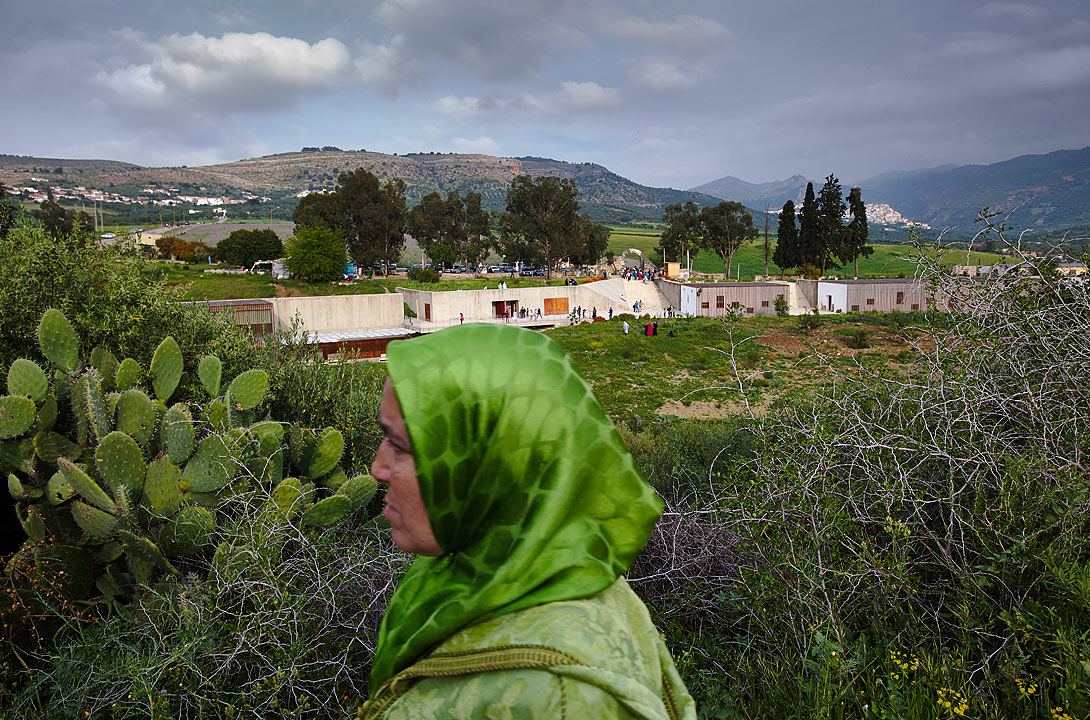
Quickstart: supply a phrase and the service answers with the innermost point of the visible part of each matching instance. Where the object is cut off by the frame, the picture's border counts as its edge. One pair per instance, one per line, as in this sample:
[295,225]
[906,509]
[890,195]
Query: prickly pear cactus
[58,341]
[25,378]
[113,483]
[166,368]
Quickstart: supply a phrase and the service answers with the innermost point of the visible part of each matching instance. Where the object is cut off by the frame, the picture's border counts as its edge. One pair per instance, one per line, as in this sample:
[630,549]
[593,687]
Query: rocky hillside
[604,195]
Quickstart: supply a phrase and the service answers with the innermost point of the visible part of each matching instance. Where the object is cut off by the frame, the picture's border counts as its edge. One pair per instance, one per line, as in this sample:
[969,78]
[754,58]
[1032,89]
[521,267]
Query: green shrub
[423,275]
[857,339]
[781,307]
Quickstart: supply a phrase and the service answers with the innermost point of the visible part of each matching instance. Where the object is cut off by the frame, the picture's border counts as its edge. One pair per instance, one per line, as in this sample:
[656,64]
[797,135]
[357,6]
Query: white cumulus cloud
[458,108]
[237,71]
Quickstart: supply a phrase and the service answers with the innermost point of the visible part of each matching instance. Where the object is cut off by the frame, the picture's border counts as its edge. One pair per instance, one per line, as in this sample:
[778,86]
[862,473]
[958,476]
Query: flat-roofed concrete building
[881,295]
[725,299]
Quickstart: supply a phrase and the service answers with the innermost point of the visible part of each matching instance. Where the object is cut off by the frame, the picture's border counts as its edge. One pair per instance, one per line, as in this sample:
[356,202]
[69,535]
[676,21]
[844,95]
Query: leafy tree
[59,222]
[245,247]
[8,213]
[434,224]
[787,254]
[724,228]
[855,235]
[682,234]
[594,237]
[809,229]
[164,244]
[479,238]
[831,209]
[542,218]
[369,215]
[317,254]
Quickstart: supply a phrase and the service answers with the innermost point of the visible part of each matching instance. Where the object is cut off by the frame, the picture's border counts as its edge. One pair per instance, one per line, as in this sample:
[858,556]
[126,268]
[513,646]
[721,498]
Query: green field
[887,260]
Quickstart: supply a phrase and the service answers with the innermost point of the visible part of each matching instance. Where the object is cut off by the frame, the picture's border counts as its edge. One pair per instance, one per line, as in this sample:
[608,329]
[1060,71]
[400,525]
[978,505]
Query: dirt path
[282,291]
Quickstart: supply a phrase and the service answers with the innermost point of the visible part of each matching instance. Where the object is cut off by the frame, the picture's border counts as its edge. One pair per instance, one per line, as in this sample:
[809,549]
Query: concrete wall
[745,298]
[671,290]
[444,307]
[832,297]
[340,313]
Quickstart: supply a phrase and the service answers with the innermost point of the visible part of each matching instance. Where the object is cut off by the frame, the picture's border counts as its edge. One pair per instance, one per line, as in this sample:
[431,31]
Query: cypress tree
[855,235]
[809,230]
[831,209]
[787,239]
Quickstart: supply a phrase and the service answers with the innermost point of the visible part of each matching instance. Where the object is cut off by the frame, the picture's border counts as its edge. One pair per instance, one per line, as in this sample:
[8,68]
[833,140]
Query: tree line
[367,220]
[810,241]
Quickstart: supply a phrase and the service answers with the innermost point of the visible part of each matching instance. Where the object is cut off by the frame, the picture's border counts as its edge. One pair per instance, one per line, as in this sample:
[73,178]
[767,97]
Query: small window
[779,296]
[749,311]
[705,305]
[736,305]
[719,301]
[855,308]
[900,298]
[915,307]
[764,303]
[870,301]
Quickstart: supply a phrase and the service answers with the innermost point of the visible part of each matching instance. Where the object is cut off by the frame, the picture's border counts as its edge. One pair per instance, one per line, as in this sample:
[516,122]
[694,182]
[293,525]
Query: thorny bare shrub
[287,628]
[934,502]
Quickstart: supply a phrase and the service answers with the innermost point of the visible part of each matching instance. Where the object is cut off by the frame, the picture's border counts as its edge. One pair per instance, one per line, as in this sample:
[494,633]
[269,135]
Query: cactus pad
[327,511]
[58,490]
[87,488]
[326,453]
[16,415]
[211,466]
[97,524]
[249,388]
[215,413]
[359,490]
[287,498]
[15,489]
[128,374]
[95,406]
[166,368]
[58,340]
[177,433]
[162,493]
[333,480]
[136,415]
[144,558]
[19,454]
[109,552]
[187,532]
[120,464]
[210,371]
[105,363]
[49,446]
[28,380]
[47,413]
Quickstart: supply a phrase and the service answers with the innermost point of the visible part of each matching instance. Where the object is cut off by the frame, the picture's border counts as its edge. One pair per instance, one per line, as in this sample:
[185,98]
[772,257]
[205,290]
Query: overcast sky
[665,93]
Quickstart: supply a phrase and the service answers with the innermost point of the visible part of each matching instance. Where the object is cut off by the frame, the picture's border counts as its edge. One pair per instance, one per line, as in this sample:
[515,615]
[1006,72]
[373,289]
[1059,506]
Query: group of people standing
[637,274]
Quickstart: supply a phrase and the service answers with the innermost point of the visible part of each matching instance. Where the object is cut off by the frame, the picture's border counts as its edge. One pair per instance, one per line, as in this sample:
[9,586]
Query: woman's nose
[378,466]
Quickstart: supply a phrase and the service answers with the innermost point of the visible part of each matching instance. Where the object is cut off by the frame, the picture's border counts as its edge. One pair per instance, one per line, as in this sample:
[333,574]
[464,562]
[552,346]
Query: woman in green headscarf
[509,481]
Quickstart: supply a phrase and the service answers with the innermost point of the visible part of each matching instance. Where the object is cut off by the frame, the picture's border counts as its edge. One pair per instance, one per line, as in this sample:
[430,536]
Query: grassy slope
[691,374]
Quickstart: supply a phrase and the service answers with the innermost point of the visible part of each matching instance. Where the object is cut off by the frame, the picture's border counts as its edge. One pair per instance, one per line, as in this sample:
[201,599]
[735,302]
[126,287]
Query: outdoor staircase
[620,294]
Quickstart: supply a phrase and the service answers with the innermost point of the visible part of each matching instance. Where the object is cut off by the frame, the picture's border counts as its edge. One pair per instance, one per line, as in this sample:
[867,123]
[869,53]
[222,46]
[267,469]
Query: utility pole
[766,239]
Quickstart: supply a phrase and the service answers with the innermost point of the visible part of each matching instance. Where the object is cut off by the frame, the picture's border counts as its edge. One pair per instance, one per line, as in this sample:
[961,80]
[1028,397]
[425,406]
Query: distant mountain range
[1048,194]
[604,195]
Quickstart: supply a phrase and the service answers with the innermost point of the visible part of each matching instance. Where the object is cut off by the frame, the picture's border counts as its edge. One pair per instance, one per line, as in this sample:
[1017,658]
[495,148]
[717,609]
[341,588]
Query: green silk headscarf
[529,489]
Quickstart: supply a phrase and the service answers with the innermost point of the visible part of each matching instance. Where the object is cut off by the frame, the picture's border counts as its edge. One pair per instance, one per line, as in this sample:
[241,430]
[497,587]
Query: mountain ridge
[605,195]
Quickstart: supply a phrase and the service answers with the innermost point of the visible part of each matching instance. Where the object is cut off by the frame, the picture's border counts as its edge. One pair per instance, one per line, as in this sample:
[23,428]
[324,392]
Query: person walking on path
[461,318]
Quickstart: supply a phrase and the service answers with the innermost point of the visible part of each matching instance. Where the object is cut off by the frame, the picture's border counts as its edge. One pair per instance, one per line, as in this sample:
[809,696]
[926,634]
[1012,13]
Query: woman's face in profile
[394,465]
